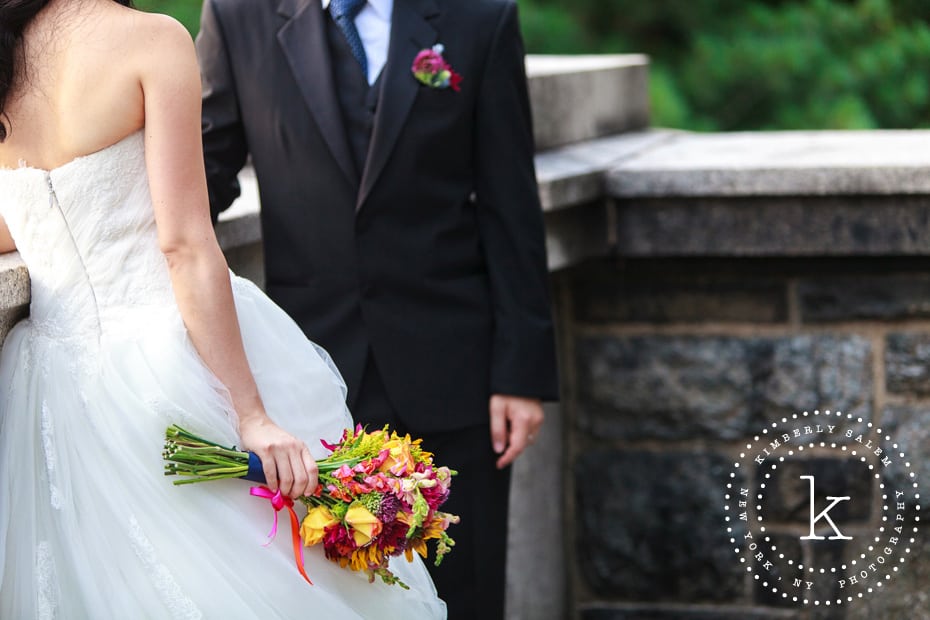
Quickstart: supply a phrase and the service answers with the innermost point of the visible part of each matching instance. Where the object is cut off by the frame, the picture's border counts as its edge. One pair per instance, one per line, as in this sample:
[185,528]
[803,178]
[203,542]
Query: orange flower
[315,523]
[364,525]
[399,460]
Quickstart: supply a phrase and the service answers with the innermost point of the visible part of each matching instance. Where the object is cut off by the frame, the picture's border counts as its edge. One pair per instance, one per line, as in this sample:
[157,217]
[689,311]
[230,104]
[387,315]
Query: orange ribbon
[279,501]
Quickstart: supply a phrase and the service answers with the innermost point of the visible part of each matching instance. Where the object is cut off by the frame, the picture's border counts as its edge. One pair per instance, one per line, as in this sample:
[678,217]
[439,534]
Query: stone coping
[738,194]
[14,282]
[538,65]
[577,98]
[567,176]
[574,174]
[239,225]
[789,163]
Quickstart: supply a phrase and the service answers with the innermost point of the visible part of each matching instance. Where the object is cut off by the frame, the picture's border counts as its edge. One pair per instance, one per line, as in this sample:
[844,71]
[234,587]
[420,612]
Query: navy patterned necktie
[344,12]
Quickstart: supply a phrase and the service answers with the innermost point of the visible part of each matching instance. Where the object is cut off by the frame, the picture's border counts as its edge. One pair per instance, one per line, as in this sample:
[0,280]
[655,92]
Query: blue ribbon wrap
[256,472]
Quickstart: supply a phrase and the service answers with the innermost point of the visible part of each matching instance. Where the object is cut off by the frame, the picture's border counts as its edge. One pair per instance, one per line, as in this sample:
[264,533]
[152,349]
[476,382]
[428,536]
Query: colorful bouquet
[379,496]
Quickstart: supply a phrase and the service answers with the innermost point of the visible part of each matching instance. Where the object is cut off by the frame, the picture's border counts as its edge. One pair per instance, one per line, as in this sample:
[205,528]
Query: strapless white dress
[89,525]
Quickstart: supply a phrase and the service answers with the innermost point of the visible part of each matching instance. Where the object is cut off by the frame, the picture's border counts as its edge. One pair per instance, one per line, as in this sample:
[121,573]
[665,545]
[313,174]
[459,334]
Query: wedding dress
[89,525]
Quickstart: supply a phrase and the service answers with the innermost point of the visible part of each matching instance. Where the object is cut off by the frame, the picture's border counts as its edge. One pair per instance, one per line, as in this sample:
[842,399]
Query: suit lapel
[411,31]
[303,40]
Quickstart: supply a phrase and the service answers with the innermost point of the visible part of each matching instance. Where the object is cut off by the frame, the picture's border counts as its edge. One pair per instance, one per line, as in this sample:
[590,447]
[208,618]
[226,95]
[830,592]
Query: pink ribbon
[278,502]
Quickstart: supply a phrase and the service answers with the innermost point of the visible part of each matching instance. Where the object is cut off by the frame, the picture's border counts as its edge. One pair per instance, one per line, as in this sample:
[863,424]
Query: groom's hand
[515,423]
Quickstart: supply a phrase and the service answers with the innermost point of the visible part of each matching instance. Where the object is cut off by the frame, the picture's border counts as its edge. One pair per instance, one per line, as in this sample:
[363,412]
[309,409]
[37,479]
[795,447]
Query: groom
[401,225]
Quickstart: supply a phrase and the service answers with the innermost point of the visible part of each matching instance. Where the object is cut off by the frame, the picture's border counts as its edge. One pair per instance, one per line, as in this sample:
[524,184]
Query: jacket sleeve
[510,221]
[224,145]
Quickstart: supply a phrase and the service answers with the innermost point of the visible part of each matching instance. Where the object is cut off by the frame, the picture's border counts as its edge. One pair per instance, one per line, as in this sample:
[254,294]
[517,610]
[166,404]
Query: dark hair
[15,15]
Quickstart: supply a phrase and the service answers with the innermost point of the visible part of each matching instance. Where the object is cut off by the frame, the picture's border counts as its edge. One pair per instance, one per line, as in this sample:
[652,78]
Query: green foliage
[185,11]
[758,64]
[743,64]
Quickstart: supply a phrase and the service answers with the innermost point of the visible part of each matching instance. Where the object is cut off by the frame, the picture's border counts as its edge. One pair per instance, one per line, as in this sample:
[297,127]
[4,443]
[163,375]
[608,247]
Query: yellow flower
[366,558]
[399,461]
[315,523]
[418,545]
[365,525]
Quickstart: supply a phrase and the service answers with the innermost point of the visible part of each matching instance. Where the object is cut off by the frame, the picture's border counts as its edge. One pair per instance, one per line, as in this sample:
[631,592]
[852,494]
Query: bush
[185,11]
[743,64]
[757,64]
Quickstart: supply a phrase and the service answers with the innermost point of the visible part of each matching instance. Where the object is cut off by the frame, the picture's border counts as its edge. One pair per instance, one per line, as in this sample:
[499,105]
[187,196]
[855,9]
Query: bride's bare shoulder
[139,39]
[165,52]
[156,62]
[160,29]
[146,34]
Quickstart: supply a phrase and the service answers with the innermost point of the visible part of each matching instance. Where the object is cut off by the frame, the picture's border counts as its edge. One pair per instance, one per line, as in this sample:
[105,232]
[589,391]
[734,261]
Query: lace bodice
[86,231]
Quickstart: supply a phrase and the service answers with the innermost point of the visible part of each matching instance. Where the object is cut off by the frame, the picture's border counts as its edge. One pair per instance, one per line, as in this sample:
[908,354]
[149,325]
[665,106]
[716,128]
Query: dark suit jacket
[434,257]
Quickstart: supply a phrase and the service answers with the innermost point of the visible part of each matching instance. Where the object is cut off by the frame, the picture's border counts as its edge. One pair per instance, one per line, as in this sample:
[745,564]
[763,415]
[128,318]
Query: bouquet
[378,497]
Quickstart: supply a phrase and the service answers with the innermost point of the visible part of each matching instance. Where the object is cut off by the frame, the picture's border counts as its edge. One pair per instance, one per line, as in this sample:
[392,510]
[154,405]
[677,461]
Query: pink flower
[428,61]
[430,68]
[383,483]
[435,496]
[343,473]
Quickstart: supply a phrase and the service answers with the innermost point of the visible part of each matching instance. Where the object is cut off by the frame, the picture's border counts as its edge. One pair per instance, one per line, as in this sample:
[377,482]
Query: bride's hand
[287,461]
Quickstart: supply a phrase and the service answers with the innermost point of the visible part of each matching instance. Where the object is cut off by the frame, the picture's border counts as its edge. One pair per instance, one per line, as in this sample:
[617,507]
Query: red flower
[393,538]
[338,543]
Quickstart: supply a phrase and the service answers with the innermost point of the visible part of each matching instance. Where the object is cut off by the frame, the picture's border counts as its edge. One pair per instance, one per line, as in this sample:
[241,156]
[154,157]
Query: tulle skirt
[91,528]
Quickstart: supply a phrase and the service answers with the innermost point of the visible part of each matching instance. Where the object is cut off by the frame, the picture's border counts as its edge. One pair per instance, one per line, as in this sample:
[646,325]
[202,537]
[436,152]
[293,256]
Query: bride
[135,323]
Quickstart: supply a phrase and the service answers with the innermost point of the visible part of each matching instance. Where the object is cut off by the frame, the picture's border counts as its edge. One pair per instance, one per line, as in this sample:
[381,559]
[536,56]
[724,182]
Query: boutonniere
[431,69]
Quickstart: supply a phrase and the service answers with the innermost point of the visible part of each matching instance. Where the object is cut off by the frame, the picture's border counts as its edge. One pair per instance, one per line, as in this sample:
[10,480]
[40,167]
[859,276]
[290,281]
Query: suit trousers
[471,579]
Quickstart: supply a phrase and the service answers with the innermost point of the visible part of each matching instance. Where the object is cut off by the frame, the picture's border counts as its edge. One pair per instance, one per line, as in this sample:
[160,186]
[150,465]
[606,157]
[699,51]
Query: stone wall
[754,286]
[677,363]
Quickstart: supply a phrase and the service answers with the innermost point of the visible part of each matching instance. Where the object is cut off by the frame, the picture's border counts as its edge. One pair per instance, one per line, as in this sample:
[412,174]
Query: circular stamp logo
[822,508]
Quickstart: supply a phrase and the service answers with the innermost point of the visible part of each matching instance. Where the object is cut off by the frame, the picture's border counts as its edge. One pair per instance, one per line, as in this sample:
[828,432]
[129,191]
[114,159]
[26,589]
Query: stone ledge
[577,98]
[571,188]
[574,174]
[568,177]
[751,194]
[14,281]
[575,235]
[14,291]
[678,216]
[790,163]
[240,225]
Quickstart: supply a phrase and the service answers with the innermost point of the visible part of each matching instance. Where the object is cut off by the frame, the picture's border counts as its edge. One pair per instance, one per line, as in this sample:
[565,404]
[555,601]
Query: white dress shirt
[374,28]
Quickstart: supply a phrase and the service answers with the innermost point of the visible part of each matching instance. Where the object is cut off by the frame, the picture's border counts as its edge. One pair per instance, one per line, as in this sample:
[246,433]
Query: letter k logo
[825,514]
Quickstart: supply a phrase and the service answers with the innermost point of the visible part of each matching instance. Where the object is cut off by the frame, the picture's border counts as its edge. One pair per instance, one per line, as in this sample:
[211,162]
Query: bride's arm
[170,82]
[6,240]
